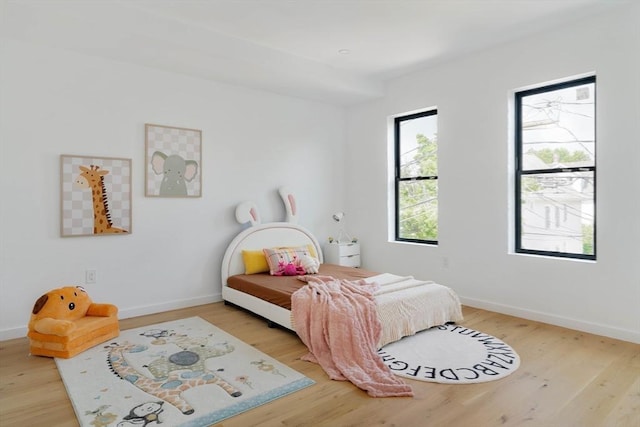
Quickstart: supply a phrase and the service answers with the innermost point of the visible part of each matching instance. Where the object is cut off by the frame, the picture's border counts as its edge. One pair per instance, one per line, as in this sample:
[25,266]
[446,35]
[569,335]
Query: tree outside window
[416,177]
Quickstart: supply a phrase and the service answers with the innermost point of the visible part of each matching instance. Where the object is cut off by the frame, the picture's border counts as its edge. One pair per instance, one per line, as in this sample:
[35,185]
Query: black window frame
[519,173]
[398,179]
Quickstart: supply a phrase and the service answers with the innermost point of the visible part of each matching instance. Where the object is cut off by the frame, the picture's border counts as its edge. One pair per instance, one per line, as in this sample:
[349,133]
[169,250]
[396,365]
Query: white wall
[55,102]
[473,256]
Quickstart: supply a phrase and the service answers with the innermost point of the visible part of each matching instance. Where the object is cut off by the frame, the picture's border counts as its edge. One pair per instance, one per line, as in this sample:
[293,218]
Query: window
[556,169]
[416,177]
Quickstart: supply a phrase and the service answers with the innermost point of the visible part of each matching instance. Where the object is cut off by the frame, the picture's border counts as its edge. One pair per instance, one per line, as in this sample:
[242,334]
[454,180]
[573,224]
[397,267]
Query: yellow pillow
[254,262]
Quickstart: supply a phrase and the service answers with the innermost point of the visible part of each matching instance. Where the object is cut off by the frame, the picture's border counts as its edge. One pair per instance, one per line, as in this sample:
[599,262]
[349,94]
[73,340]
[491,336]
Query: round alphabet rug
[450,354]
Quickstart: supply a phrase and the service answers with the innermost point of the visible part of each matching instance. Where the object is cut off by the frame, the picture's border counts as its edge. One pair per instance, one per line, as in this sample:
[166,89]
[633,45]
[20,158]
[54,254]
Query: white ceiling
[292,47]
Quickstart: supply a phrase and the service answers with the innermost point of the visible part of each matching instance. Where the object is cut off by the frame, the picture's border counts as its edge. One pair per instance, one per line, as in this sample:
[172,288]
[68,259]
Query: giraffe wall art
[96,196]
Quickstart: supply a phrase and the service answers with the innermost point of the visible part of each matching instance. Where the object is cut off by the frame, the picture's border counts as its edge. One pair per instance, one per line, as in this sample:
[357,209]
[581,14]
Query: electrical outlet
[90,277]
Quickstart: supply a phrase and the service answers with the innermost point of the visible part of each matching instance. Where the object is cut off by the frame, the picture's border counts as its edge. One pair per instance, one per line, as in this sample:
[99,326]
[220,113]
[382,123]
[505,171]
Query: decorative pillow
[282,256]
[310,264]
[254,262]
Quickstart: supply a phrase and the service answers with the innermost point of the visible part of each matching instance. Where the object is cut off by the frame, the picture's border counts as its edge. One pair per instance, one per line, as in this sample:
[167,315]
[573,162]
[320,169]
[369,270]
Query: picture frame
[173,161]
[95,195]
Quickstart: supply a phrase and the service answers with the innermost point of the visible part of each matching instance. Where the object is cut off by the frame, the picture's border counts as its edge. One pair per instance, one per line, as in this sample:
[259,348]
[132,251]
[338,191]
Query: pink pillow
[279,258]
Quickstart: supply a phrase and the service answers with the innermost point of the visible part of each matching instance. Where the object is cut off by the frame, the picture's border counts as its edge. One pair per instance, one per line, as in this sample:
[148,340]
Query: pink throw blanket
[338,322]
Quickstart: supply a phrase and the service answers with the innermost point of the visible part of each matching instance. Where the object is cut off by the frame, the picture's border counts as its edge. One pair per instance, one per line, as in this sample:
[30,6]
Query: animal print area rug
[180,373]
[450,354]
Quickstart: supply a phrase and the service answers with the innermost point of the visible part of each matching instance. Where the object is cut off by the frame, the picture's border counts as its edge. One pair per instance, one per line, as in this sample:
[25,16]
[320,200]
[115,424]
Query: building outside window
[556,170]
[416,177]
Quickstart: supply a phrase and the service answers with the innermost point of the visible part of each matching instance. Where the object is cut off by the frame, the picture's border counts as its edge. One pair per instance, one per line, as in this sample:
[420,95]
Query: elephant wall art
[173,161]
[175,171]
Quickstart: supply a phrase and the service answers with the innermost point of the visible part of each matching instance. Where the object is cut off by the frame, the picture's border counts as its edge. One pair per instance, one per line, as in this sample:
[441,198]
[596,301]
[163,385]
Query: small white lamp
[343,237]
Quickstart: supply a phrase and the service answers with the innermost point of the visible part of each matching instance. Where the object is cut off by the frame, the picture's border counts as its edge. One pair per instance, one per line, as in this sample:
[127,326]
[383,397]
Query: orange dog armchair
[65,322]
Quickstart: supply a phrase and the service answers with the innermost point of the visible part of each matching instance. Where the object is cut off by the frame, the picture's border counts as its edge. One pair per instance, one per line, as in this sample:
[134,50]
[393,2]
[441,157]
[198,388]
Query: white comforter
[407,306]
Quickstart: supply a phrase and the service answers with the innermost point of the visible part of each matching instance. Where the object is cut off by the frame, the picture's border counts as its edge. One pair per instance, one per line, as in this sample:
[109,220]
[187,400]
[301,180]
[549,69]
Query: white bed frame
[255,238]
[438,305]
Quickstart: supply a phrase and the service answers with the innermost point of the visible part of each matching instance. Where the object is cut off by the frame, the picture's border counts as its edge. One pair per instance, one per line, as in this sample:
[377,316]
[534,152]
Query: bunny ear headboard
[269,235]
[289,203]
[248,211]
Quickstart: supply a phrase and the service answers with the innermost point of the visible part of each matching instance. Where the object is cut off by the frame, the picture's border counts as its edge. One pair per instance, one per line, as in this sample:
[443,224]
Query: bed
[405,305]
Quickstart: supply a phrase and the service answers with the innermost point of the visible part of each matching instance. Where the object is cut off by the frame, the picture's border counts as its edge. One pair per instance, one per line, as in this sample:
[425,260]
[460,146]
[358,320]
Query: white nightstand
[347,254]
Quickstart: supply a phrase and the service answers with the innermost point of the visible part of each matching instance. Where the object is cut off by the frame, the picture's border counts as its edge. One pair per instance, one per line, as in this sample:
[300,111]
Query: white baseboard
[11,333]
[168,306]
[566,322]
[552,319]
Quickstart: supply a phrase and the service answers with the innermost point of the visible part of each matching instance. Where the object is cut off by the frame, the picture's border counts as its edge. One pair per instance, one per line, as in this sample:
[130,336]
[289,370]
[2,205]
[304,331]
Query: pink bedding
[337,321]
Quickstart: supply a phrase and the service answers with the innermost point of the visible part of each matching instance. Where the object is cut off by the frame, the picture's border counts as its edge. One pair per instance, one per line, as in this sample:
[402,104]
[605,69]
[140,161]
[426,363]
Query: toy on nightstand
[65,322]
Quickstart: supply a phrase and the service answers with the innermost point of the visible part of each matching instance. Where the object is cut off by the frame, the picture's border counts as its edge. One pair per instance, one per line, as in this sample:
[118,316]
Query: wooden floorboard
[566,378]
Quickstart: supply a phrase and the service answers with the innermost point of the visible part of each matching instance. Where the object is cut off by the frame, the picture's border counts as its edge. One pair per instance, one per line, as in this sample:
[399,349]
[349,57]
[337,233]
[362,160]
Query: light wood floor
[566,378]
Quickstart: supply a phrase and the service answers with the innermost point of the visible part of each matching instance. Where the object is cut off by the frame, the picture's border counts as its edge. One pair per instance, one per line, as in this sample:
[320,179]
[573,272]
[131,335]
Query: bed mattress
[278,289]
